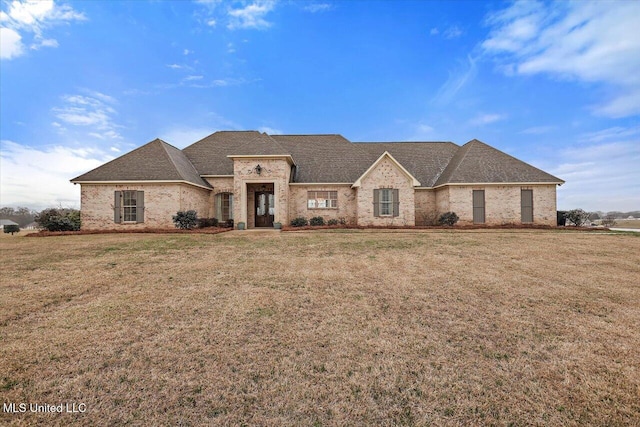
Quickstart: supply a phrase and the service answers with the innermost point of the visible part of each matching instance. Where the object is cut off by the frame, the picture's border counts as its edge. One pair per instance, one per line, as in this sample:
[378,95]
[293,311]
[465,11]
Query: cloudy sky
[554,84]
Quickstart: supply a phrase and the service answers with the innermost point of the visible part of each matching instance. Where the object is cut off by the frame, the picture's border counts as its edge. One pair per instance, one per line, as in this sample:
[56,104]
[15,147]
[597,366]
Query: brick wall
[346,202]
[161,201]
[426,211]
[386,175]
[276,171]
[502,203]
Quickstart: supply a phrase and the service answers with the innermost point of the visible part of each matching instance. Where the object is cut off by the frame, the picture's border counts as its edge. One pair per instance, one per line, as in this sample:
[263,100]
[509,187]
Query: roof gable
[386,155]
[210,154]
[154,161]
[477,162]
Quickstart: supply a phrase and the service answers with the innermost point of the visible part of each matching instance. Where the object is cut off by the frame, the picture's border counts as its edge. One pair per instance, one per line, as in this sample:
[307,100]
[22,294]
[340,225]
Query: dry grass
[324,328]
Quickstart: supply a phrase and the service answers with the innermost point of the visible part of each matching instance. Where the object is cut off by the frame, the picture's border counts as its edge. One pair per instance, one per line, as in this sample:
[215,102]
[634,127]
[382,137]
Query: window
[322,200]
[224,206]
[526,205]
[128,206]
[386,202]
[478,206]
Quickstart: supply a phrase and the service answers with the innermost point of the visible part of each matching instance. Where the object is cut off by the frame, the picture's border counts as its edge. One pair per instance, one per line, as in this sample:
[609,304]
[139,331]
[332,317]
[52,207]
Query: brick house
[259,179]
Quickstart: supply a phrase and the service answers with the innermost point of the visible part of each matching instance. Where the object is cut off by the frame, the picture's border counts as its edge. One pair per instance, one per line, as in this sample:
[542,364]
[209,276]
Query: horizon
[554,84]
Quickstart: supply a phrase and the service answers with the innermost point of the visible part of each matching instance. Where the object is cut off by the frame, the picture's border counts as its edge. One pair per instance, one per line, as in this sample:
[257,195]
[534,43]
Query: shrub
[577,217]
[12,228]
[59,219]
[342,221]
[316,221]
[332,221]
[185,220]
[609,221]
[448,218]
[207,222]
[299,222]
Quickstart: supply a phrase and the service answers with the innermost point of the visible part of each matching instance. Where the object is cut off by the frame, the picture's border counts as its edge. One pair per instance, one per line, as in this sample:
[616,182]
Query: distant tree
[59,219]
[608,221]
[594,216]
[21,215]
[577,217]
[12,228]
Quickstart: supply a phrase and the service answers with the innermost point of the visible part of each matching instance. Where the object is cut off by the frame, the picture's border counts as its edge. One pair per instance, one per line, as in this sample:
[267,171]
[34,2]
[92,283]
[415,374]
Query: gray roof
[424,160]
[209,155]
[4,222]
[155,161]
[319,158]
[476,161]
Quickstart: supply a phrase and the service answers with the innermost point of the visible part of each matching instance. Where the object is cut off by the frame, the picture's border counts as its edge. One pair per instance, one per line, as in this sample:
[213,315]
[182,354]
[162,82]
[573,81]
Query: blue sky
[554,84]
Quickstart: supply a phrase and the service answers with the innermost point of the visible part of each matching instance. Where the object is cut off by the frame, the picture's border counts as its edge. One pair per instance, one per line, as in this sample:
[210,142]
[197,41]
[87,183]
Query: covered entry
[260,205]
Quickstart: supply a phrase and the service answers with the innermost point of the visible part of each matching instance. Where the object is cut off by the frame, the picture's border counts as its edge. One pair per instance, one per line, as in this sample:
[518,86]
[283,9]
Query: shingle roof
[4,222]
[209,155]
[154,161]
[476,161]
[325,158]
[318,159]
[424,160]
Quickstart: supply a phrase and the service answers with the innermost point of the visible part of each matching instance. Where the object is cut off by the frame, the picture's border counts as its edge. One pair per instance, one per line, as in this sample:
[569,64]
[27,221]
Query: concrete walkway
[637,230]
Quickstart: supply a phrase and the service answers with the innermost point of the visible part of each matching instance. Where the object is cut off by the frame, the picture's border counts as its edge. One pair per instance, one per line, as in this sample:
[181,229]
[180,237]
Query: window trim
[136,215]
[219,205]
[329,199]
[386,204]
[130,195]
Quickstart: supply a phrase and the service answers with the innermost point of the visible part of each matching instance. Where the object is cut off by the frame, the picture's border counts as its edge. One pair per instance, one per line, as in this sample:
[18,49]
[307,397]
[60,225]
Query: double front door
[265,208]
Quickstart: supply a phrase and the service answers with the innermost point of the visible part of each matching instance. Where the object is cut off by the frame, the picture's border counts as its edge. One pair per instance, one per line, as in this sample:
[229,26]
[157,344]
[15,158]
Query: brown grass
[323,328]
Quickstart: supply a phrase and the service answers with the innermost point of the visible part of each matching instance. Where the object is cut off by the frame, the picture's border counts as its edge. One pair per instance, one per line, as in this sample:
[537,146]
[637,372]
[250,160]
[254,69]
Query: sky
[555,84]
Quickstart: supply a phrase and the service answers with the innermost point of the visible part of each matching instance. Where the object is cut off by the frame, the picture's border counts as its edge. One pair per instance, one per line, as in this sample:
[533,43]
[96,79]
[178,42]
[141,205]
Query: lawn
[323,328]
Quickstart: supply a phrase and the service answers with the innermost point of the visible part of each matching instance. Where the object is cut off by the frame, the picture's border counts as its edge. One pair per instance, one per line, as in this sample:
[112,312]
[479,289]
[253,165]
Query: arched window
[224,206]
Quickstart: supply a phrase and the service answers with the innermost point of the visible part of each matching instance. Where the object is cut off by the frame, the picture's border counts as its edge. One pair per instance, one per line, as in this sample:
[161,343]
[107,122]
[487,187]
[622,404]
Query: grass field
[323,328]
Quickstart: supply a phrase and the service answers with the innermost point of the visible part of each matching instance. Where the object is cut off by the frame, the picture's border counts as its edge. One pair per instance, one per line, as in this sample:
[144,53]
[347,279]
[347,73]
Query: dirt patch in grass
[412,328]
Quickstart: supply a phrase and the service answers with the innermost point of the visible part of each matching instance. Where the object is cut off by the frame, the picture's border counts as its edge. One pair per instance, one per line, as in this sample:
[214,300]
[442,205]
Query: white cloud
[192,78]
[452,32]
[587,41]
[251,16]
[456,81]
[434,31]
[317,7]
[93,111]
[39,177]
[187,52]
[10,44]
[175,66]
[30,18]
[485,119]
[211,22]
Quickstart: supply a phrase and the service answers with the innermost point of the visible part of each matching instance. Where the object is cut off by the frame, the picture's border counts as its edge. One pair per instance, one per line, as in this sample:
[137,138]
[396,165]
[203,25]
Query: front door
[264,208]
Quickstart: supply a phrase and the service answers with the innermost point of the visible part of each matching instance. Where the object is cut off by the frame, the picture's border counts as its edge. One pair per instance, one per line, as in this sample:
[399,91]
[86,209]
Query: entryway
[264,208]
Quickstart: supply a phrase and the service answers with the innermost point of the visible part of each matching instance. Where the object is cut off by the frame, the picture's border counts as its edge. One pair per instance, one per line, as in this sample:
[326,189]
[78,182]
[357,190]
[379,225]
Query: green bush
[186,220]
[342,221]
[207,222]
[448,218]
[577,217]
[59,219]
[316,221]
[299,222]
[12,228]
[332,221]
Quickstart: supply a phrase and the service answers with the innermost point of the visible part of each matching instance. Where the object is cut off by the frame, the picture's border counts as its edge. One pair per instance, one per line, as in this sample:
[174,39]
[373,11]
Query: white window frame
[313,202]
[386,206]
[129,211]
